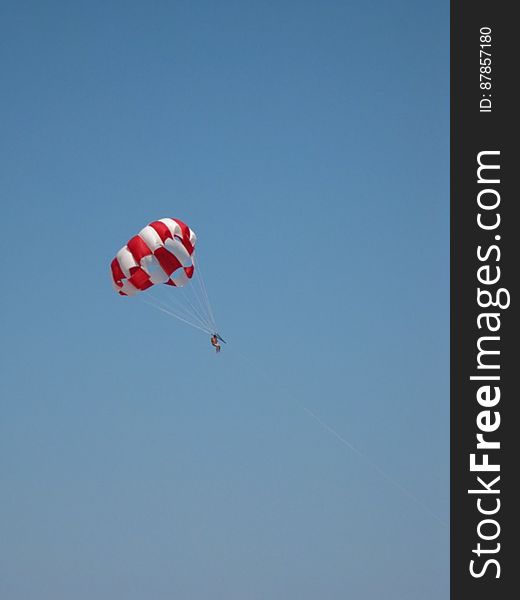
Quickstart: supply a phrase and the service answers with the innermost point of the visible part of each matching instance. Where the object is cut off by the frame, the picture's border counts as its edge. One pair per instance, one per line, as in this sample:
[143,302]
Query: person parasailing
[214,342]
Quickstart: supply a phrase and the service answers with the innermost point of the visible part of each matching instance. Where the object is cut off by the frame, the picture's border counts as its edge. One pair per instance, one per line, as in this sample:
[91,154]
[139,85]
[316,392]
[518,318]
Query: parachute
[163,252]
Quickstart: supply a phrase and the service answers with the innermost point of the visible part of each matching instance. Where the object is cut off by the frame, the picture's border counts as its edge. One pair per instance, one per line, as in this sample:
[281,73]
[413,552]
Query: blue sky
[307,145]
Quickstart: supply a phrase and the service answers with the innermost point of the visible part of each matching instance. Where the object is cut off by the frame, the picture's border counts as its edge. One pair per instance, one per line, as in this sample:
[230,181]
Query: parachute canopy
[162,252]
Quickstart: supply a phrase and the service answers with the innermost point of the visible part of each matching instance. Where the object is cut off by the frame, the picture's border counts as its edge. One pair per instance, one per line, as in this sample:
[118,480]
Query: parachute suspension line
[190,294]
[172,314]
[176,303]
[205,294]
[179,309]
[196,311]
[191,307]
[196,292]
[181,301]
[176,310]
[204,291]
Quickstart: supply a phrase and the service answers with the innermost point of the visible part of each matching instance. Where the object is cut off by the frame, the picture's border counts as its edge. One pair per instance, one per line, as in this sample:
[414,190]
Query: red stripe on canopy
[162,230]
[117,272]
[140,279]
[168,262]
[185,236]
[138,248]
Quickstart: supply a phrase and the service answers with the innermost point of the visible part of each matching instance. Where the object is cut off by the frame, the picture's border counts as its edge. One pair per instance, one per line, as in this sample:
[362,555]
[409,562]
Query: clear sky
[307,145]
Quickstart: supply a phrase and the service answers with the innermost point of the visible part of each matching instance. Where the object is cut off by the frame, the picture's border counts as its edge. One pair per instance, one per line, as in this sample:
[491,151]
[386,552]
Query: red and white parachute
[160,253]
[163,252]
